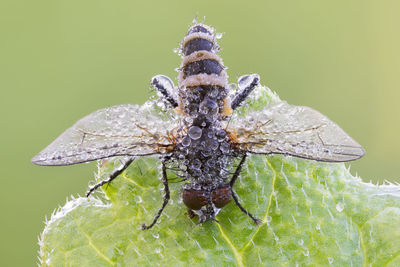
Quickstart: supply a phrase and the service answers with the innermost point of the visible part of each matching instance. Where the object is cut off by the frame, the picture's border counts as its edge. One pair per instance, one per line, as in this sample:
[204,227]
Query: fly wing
[115,131]
[294,130]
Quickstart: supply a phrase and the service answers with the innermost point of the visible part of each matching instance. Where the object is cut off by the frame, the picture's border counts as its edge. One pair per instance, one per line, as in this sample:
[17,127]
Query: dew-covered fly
[204,135]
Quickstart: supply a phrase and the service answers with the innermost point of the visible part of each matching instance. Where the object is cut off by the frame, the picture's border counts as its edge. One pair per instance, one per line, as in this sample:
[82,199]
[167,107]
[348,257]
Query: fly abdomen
[207,66]
[202,74]
[197,44]
[199,37]
[200,63]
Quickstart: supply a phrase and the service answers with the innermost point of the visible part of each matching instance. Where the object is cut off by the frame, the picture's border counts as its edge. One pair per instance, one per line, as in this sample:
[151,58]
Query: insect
[201,139]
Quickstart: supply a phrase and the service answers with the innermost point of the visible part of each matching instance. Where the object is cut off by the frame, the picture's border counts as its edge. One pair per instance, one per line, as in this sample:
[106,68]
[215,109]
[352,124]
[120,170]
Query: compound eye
[221,196]
[194,199]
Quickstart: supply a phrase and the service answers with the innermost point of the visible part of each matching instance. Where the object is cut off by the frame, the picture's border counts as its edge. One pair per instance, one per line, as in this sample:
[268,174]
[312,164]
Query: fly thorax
[204,153]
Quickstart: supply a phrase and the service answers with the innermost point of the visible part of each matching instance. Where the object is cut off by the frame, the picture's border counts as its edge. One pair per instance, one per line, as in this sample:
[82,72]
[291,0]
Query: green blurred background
[60,60]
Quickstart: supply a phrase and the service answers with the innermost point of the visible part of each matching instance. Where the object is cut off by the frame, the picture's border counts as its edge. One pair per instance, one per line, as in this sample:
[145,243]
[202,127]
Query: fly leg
[166,198]
[191,213]
[246,90]
[232,182]
[255,219]
[164,85]
[112,176]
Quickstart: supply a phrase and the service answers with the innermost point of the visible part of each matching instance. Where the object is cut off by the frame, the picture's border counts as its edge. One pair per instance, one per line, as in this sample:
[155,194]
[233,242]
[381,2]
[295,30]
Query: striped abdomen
[202,73]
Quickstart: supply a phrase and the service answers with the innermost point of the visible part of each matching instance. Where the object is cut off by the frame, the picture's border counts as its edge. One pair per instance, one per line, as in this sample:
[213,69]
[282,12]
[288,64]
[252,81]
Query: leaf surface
[314,214]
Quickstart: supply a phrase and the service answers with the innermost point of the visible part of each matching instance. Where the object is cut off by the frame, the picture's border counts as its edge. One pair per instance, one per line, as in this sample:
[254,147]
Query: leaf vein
[268,206]
[236,253]
[91,243]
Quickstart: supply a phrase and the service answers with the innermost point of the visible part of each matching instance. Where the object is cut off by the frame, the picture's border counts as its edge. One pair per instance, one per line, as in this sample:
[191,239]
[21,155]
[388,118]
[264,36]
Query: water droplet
[182,167]
[225,148]
[214,92]
[220,134]
[206,153]
[164,81]
[306,252]
[232,87]
[209,107]
[340,206]
[301,242]
[318,227]
[245,80]
[185,102]
[186,141]
[196,164]
[194,132]
[213,144]
[189,120]
[330,259]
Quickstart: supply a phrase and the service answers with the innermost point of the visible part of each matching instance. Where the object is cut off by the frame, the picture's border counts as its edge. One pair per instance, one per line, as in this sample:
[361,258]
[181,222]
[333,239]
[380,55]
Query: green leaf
[314,214]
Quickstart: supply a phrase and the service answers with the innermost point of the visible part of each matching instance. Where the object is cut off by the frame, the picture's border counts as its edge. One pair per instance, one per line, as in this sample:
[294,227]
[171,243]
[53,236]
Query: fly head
[206,200]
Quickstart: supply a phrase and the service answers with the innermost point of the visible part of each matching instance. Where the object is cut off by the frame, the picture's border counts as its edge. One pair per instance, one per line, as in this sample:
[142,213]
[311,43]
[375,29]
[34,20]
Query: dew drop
[189,120]
[194,132]
[225,147]
[182,167]
[220,134]
[196,164]
[209,107]
[213,144]
[232,87]
[306,252]
[340,206]
[186,141]
[301,242]
[330,259]
[214,92]
[206,153]
[176,50]
[164,81]
[159,104]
